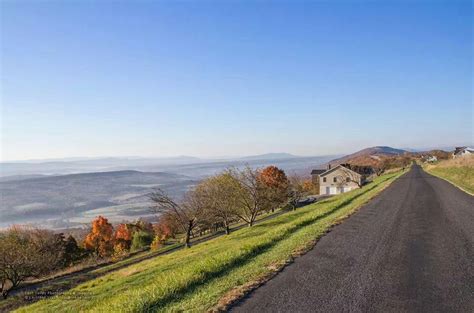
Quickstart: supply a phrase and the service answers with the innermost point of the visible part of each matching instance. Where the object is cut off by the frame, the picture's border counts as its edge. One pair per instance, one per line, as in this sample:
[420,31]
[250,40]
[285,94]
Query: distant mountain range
[271,156]
[28,168]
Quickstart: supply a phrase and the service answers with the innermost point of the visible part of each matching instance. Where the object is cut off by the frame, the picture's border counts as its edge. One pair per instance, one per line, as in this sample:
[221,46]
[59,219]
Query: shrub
[120,249]
[140,240]
[156,243]
[72,251]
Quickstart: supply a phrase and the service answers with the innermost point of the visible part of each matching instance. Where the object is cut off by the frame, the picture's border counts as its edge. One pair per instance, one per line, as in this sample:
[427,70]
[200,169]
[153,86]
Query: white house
[462,151]
[338,179]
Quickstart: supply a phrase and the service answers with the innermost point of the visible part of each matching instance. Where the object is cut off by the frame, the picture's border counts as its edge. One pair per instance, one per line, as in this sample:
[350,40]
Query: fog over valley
[70,193]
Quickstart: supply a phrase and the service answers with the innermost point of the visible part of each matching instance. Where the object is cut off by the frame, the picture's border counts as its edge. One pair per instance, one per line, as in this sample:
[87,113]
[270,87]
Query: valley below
[48,195]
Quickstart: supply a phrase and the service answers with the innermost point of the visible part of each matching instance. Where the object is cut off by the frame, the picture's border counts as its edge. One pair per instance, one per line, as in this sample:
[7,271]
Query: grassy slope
[459,172]
[195,279]
[72,277]
[66,279]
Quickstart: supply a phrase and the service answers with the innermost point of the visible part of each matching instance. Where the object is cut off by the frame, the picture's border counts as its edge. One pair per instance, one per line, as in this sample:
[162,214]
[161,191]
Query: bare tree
[297,190]
[26,253]
[185,214]
[250,194]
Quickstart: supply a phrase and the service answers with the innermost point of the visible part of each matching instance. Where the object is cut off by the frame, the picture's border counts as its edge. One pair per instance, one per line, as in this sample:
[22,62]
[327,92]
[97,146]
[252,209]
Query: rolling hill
[369,156]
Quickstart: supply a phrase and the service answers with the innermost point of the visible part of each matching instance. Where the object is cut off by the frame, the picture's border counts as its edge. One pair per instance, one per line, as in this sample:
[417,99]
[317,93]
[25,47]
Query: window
[334,180]
[348,179]
[324,179]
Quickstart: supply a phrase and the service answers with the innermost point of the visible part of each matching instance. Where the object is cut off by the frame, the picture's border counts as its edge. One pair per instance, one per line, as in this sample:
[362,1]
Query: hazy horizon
[224,157]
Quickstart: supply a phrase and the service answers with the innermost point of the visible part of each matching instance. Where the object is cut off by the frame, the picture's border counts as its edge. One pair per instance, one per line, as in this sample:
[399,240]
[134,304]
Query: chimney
[329,166]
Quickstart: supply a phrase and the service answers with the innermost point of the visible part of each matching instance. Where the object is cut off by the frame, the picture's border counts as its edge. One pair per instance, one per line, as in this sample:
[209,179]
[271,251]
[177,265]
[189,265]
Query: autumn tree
[399,161]
[276,187]
[100,239]
[164,230]
[309,187]
[185,214]
[123,237]
[298,189]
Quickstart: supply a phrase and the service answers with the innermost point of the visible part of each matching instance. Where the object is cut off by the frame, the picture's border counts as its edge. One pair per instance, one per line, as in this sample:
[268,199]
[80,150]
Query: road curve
[411,249]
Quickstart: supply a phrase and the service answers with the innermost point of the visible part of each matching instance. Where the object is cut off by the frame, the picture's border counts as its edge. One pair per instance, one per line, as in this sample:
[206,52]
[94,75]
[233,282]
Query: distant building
[462,151]
[432,159]
[339,179]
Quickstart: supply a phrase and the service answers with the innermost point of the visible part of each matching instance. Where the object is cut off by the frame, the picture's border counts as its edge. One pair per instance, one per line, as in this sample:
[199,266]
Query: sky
[221,78]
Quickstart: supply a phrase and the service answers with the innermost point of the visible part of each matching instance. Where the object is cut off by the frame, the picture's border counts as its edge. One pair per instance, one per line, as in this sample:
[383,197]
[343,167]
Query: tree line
[231,196]
[234,195]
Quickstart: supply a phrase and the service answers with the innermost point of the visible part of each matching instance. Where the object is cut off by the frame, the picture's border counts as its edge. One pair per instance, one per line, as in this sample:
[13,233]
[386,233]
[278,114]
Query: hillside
[370,156]
[194,280]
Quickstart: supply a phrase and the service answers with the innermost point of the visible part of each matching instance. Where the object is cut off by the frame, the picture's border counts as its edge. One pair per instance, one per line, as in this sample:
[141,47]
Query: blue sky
[162,78]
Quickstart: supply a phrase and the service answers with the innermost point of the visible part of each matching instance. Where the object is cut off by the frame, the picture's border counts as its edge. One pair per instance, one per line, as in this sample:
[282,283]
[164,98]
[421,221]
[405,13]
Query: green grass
[459,172]
[195,279]
[62,282]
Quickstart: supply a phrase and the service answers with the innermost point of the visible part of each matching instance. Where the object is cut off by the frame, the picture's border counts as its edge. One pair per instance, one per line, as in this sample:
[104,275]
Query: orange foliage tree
[163,231]
[100,239]
[308,186]
[123,236]
[276,183]
[273,177]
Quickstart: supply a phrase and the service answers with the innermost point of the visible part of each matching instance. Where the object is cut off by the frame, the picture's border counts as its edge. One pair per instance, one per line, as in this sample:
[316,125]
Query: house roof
[462,149]
[317,172]
[335,168]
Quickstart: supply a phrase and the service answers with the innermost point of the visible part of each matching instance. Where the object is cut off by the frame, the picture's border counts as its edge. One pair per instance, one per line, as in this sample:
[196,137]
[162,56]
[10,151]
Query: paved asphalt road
[411,249]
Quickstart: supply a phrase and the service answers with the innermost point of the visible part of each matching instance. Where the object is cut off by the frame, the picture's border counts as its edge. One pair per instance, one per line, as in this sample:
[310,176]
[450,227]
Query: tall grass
[459,171]
[195,279]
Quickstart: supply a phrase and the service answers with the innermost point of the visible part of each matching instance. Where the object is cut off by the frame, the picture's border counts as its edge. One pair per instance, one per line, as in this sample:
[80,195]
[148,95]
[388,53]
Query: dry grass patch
[459,171]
